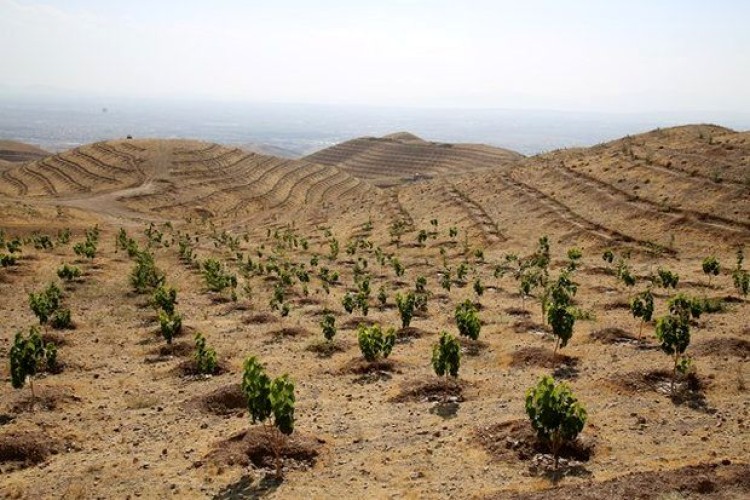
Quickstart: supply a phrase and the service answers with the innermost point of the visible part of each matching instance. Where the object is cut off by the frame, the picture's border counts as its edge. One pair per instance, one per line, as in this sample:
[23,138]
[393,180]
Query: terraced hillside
[174,178]
[14,151]
[262,252]
[403,157]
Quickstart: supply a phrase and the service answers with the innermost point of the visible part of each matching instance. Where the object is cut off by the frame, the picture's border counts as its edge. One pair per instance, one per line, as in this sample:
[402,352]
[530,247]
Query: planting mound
[716,481]
[252,447]
[516,440]
[432,389]
[223,401]
[23,449]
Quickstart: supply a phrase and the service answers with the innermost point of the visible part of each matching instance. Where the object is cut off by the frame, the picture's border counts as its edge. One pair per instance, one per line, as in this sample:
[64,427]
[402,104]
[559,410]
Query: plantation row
[288,263]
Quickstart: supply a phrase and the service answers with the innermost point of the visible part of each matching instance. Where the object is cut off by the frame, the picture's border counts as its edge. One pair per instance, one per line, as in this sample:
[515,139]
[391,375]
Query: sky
[593,56]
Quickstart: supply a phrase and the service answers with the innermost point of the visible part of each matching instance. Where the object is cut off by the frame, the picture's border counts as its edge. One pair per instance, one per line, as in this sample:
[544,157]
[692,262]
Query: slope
[403,157]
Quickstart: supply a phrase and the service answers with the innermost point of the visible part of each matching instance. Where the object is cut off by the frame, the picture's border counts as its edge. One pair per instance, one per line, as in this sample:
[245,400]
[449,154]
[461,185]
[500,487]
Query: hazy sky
[656,55]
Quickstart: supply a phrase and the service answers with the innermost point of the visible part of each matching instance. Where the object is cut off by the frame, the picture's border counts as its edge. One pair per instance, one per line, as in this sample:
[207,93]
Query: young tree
[642,306]
[216,277]
[574,258]
[445,279]
[165,298]
[562,320]
[373,343]
[667,279]
[711,268]
[467,320]
[478,287]
[673,333]
[740,277]
[382,297]
[268,398]
[68,273]
[406,305]
[328,324]
[28,356]
[555,414]
[170,325]
[206,360]
[446,356]
[145,276]
[45,303]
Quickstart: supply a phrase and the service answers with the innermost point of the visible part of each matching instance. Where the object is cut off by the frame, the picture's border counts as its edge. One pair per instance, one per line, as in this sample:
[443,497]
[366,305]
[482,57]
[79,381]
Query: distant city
[293,130]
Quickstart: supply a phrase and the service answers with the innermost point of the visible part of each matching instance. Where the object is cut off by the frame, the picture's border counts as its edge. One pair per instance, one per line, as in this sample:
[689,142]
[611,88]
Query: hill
[404,157]
[175,178]
[260,249]
[13,151]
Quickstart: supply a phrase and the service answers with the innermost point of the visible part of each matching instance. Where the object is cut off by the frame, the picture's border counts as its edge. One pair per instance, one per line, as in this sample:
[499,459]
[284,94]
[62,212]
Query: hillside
[404,157]
[13,151]
[125,412]
[176,178]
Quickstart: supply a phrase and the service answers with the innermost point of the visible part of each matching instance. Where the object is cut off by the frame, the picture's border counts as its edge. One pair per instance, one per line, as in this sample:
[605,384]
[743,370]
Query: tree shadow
[246,488]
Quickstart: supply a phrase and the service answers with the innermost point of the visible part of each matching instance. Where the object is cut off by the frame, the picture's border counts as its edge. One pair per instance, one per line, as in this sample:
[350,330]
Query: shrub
[452,232]
[667,278]
[170,325]
[685,307]
[673,333]
[624,274]
[45,303]
[574,257]
[461,272]
[467,320]
[421,237]
[349,302]
[28,356]
[7,260]
[406,305]
[145,276]
[642,306]
[42,242]
[14,246]
[215,276]
[478,287]
[382,297]
[334,249]
[562,319]
[711,268]
[373,343]
[86,249]
[61,319]
[68,273]
[445,279]
[398,268]
[63,236]
[446,356]
[741,280]
[328,324]
[267,398]
[165,298]
[205,357]
[555,413]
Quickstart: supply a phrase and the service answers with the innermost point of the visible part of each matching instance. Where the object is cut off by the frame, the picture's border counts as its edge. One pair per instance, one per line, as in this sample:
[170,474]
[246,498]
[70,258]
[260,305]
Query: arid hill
[261,249]
[404,157]
[168,178]
[13,151]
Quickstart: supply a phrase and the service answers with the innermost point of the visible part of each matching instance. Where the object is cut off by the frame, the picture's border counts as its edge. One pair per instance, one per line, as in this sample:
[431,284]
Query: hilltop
[404,157]
[124,413]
